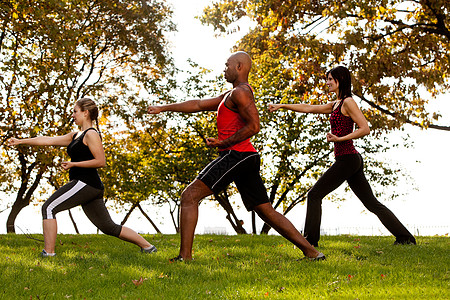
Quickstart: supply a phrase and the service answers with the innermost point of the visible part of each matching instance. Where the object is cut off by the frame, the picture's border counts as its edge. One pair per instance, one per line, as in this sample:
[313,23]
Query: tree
[395,49]
[173,149]
[292,45]
[55,52]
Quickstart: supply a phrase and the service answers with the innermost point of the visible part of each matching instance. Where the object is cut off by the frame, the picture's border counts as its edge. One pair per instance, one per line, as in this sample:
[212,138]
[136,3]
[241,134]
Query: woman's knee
[112,229]
[46,213]
[375,206]
[314,196]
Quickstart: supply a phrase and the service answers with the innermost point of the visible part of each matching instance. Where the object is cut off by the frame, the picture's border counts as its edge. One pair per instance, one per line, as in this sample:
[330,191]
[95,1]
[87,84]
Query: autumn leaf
[48,57]
[138,282]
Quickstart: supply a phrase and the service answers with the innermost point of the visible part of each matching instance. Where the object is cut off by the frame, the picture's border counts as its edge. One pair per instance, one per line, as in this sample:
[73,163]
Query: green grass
[225,267]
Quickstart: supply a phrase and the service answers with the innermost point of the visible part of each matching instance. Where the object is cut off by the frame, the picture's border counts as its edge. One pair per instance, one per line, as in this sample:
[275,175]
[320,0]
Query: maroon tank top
[340,126]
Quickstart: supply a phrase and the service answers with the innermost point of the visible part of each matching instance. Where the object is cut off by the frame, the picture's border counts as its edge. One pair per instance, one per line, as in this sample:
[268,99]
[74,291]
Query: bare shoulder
[92,135]
[241,93]
[349,101]
[350,107]
[244,89]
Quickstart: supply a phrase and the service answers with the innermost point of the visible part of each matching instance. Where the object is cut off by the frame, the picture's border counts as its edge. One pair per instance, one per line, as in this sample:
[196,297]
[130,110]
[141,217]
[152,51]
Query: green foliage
[157,161]
[293,44]
[395,49]
[55,52]
[225,267]
[153,164]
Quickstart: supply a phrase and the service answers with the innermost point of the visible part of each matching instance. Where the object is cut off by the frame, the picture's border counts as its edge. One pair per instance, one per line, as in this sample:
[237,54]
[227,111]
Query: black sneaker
[176,259]
[149,250]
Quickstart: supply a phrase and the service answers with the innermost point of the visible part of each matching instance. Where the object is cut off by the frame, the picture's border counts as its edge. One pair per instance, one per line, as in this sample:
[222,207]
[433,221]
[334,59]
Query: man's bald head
[243,58]
[238,67]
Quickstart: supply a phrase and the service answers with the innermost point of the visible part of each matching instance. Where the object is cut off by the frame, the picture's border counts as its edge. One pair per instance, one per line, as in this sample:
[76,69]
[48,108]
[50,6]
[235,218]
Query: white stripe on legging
[75,189]
[256,153]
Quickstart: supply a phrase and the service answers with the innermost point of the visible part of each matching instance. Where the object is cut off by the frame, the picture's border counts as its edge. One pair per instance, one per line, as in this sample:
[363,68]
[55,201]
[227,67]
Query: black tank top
[78,151]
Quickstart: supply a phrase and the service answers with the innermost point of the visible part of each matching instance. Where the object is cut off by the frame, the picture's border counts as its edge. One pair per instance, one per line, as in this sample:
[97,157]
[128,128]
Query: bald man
[238,161]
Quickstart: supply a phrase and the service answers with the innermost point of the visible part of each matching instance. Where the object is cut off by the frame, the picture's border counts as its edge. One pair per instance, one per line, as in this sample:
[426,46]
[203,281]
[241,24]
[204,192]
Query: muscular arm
[190,106]
[245,104]
[304,108]
[63,140]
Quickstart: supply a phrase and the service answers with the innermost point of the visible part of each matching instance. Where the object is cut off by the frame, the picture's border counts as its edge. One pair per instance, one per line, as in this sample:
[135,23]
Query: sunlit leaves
[55,52]
[378,39]
[389,48]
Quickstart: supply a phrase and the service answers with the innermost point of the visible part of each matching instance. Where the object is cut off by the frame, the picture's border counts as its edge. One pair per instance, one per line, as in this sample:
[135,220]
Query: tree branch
[148,218]
[396,116]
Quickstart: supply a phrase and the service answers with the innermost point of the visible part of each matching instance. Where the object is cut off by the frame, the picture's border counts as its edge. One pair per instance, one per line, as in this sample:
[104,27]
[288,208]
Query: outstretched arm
[63,140]
[304,108]
[245,104]
[190,106]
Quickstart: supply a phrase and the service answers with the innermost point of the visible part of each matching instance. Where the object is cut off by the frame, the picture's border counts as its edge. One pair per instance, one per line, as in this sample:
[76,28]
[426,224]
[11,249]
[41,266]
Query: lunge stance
[238,161]
[344,112]
[85,187]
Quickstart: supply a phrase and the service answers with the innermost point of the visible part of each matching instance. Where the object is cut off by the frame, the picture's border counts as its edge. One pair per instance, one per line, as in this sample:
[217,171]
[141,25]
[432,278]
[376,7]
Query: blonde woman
[85,187]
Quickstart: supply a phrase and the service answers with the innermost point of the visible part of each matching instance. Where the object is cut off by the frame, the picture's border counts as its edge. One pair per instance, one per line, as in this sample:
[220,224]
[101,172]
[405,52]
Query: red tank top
[340,126]
[228,123]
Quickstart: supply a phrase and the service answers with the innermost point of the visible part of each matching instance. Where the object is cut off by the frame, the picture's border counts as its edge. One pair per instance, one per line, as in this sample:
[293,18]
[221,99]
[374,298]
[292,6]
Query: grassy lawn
[225,267]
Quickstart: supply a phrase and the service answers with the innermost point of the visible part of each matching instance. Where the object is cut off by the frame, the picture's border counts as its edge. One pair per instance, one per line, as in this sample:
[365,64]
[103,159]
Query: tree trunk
[148,218]
[302,197]
[224,201]
[177,228]
[253,222]
[73,222]
[15,210]
[128,214]
[23,195]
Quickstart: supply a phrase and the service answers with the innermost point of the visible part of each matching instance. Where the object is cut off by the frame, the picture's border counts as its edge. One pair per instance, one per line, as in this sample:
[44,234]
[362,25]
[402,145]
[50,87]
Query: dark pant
[348,167]
[77,193]
[243,169]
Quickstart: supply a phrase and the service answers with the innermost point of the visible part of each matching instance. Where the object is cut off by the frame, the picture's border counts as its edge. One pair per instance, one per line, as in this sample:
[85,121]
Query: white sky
[428,207]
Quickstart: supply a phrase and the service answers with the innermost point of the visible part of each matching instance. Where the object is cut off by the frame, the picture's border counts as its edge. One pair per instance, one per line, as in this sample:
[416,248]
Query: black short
[243,169]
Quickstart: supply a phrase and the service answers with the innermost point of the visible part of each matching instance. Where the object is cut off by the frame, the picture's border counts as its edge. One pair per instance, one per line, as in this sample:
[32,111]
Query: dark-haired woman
[344,112]
[85,187]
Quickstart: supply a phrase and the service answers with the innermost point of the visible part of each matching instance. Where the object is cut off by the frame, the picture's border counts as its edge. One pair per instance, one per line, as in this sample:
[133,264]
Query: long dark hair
[89,105]
[342,75]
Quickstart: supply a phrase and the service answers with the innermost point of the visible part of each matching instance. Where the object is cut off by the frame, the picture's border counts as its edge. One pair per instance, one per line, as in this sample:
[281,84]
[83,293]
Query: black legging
[349,167]
[77,193]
